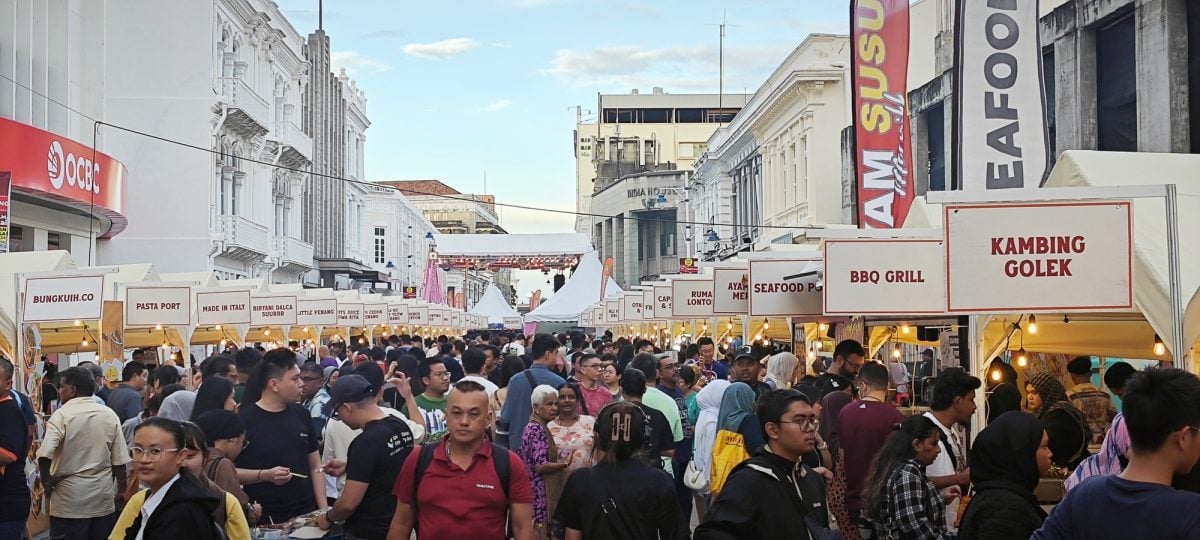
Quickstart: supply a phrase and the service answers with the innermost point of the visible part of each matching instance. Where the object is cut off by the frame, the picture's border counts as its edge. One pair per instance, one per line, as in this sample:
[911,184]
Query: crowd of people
[574,436]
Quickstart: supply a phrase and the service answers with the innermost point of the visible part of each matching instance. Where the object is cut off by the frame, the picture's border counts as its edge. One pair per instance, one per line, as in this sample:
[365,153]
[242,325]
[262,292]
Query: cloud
[440,50]
[500,45]
[382,34]
[693,68]
[495,106]
[356,63]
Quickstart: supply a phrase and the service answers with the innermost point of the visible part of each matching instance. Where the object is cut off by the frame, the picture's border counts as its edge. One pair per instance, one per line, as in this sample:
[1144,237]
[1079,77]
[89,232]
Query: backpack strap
[529,377]
[423,462]
[949,449]
[503,467]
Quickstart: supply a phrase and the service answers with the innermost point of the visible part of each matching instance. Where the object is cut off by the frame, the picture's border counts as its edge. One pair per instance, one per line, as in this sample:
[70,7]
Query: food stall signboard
[784,288]
[397,314]
[150,306]
[731,291]
[632,306]
[319,312]
[349,314]
[693,298]
[223,307]
[63,298]
[884,277]
[272,310]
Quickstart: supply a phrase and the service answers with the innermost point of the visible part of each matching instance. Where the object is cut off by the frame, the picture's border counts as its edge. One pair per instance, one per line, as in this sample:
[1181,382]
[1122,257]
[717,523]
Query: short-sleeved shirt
[714,371]
[84,442]
[863,427]
[595,398]
[657,436]
[434,413]
[1111,507]
[14,443]
[457,503]
[665,404]
[646,497]
[375,458]
[943,465]
[279,439]
[125,401]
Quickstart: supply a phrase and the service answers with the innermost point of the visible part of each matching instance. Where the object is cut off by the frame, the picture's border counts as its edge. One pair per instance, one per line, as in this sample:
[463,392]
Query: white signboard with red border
[63,298]
[631,308]
[663,305]
[731,291]
[374,314]
[692,298]
[316,312]
[223,307]
[397,313]
[884,277]
[349,314]
[437,317]
[150,306]
[418,315]
[648,310]
[612,311]
[1039,257]
[785,288]
[272,310]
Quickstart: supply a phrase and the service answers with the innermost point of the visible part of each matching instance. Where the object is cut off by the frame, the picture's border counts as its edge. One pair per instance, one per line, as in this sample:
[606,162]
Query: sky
[462,89]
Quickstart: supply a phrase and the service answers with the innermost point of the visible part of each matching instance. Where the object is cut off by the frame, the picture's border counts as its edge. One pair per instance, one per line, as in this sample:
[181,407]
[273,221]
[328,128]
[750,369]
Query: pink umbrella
[433,284]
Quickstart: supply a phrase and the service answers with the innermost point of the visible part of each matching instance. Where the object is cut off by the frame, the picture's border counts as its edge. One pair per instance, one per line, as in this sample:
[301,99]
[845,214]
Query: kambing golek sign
[1054,257]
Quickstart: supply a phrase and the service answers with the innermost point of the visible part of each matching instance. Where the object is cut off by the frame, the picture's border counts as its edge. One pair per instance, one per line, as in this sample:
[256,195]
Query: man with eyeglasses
[668,383]
[314,395]
[595,394]
[81,456]
[432,402]
[773,495]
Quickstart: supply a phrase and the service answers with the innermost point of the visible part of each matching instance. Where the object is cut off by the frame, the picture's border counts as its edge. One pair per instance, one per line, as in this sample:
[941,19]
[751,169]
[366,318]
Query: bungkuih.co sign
[785,288]
[63,298]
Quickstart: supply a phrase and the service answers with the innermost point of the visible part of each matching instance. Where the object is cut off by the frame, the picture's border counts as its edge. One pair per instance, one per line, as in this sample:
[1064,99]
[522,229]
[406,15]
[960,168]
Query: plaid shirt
[914,509]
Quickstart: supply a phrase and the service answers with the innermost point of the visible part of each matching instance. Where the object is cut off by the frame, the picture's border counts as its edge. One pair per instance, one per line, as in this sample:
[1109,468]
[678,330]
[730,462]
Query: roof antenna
[320,15]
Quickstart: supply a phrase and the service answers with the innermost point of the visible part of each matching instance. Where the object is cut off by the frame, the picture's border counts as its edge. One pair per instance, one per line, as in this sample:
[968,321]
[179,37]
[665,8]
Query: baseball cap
[744,356]
[350,389]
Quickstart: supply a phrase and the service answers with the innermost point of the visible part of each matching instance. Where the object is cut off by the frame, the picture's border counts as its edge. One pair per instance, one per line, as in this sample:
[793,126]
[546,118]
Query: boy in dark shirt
[1162,413]
[14,445]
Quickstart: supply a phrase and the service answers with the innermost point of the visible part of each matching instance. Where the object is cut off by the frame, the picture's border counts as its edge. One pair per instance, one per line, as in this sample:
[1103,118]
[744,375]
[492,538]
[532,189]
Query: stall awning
[511,245]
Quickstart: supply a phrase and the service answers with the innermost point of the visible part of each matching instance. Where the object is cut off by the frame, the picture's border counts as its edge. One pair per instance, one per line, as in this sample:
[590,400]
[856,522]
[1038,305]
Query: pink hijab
[1109,460]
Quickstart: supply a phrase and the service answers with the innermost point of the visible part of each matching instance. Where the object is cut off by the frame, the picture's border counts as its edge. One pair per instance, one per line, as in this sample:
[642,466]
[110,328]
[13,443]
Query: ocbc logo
[77,171]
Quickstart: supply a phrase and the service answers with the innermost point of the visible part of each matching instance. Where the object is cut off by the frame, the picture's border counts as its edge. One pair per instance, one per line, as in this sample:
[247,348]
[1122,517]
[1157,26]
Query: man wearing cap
[1095,404]
[374,461]
[746,368]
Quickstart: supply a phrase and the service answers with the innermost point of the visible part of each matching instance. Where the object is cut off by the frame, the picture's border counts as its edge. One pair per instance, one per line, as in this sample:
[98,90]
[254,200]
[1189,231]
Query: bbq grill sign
[783,287]
[731,291]
[1021,258]
[1001,139]
[322,312]
[884,277]
[223,307]
[692,298]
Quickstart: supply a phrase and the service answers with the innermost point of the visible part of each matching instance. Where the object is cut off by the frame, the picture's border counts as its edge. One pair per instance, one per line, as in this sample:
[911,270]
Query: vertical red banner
[604,275]
[882,134]
[5,211]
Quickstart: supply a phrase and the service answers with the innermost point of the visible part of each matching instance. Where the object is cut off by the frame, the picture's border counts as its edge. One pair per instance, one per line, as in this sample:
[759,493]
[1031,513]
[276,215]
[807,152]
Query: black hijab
[1005,454]
[1003,394]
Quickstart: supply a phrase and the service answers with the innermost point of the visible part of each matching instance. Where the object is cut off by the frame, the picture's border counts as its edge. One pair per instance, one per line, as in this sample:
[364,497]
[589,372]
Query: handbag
[694,478]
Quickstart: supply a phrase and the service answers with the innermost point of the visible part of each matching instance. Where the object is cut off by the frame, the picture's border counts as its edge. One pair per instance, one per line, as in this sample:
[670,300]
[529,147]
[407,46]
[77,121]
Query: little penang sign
[1020,258]
[884,277]
[784,288]
[319,312]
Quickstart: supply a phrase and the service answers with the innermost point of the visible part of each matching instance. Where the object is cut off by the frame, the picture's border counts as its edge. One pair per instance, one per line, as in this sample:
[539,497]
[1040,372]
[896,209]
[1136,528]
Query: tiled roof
[421,187]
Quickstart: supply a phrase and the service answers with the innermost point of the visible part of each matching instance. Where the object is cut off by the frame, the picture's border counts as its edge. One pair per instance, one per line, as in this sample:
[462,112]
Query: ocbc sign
[77,171]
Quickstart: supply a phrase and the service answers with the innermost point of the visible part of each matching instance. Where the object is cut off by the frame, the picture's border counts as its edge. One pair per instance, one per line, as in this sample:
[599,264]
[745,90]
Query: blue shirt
[518,407]
[1111,507]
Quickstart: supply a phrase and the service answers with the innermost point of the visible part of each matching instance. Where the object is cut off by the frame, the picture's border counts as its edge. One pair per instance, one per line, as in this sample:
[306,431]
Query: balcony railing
[248,111]
[294,253]
[290,136]
[243,239]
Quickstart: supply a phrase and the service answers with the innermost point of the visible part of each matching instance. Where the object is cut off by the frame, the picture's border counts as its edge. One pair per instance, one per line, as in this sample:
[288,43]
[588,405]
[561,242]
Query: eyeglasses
[808,424]
[154,454]
[442,375]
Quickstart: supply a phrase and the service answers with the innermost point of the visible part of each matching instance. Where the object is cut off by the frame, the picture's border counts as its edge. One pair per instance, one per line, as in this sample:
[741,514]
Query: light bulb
[166,345]
[305,329]
[730,326]
[817,345]
[996,375]
[896,352]
[224,343]
[1032,324]
[83,343]
[1160,348]
[158,327]
[812,355]
[766,325]
[362,341]
[218,327]
[1022,358]
[822,327]
[267,332]
[757,337]
[905,329]
[78,322]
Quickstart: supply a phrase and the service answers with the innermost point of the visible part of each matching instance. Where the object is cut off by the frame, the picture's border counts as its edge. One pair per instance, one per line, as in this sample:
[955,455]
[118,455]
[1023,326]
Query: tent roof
[493,305]
[511,245]
[21,262]
[205,279]
[579,293]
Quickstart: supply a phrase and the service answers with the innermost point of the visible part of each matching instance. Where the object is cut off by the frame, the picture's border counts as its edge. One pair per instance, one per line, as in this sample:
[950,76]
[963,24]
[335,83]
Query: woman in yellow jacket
[192,452]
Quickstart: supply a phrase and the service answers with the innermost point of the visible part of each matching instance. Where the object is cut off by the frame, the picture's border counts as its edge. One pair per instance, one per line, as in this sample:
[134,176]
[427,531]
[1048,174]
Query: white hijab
[780,369]
[709,401]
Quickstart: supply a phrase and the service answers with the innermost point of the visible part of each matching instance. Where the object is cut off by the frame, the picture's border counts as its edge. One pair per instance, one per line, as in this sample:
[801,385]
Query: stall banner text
[65,298]
[648,302]
[223,307]
[272,310]
[349,314]
[375,314]
[784,288]
[731,291]
[691,298]
[418,316]
[150,306]
[316,312]
[397,314]
[632,306]
[884,277]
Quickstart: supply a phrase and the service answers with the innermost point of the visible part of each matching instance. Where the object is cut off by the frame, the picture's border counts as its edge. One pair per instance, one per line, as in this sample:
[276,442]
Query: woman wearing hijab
[1069,434]
[1007,459]
[738,434]
[709,401]
[1113,456]
[1002,391]
[783,370]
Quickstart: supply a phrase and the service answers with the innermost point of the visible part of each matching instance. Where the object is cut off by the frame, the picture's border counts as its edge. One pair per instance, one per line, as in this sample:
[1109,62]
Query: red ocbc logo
[77,171]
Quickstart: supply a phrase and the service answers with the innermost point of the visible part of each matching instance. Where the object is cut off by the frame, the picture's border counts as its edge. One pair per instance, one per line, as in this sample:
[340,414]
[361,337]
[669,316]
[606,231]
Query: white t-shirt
[943,466]
[488,386]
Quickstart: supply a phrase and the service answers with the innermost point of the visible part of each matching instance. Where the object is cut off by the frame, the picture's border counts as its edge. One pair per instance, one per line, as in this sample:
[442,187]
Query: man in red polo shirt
[460,494]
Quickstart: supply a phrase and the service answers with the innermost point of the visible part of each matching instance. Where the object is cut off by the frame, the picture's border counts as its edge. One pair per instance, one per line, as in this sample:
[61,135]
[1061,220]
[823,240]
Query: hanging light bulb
[766,325]
[166,345]
[224,343]
[218,327]
[812,355]
[730,326]
[305,329]
[896,351]
[1032,324]
[996,375]
[78,322]
[905,329]
[1022,357]
[267,332]
[757,337]
[158,327]
[83,343]
[822,327]
[362,341]
[1160,348]
[817,344]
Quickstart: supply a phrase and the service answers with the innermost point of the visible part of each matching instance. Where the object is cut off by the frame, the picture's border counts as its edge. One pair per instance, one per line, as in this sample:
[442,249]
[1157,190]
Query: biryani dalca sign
[785,288]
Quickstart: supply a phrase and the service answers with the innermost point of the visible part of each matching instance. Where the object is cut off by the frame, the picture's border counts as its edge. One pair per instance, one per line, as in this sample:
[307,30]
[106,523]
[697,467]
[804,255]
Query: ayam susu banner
[879,33]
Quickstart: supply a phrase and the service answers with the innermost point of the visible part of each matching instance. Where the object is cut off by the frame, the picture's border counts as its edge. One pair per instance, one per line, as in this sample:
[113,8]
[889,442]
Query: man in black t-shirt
[14,444]
[280,466]
[372,463]
[658,440]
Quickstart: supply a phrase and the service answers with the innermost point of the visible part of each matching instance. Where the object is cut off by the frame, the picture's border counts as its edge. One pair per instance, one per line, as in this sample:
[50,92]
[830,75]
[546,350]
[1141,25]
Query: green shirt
[434,413]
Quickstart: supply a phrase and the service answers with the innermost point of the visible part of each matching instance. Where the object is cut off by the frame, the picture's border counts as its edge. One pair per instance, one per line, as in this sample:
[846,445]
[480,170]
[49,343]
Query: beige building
[636,133]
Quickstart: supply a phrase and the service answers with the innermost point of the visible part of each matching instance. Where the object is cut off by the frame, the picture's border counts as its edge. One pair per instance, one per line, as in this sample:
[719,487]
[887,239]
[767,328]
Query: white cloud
[357,63]
[495,106]
[440,50]
[692,68]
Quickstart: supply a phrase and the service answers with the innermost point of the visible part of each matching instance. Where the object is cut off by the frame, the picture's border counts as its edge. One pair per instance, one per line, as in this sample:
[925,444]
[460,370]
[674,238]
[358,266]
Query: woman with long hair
[547,469]
[898,497]
[195,450]
[1008,458]
[621,496]
[511,365]
[176,504]
[573,433]
[215,394]
[1069,434]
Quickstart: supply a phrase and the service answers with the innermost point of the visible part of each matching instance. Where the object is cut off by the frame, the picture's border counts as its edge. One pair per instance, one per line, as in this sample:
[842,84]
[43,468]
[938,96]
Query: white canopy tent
[579,293]
[511,245]
[493,306]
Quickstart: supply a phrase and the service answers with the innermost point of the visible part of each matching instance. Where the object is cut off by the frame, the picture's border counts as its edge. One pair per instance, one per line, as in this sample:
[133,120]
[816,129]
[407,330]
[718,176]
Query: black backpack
[502,467]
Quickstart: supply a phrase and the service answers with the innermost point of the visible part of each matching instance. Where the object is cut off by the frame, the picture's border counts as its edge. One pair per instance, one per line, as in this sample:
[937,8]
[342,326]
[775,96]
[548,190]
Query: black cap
[220,424]
[1081,365]
[350,389]
[745,356]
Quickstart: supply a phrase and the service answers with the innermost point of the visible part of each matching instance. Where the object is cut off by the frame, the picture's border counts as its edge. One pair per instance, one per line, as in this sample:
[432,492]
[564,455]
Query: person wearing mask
[1095,404]
[431,404]
[1162,411]
[518,407]
[658,442]
[783,370]
[542,458]
[711,368]
[573,433]
[659,400]
[620,497]
[14,447]
[215,394]
[746,368]
[373,462]
[175,504]
[474,361]
[1003,394]
[1007,459]
[899,498]
[81,455]
[229,516]
[863,427]
[773,495]
[280,463]
[466,492]
[126,398]
[952,407]
[1046,398]
[224,437]
[595,394]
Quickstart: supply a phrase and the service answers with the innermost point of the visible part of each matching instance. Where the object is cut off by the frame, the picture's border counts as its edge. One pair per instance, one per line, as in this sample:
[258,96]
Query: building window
[1116,85]
[1051,84]
[935,127]
[380,254]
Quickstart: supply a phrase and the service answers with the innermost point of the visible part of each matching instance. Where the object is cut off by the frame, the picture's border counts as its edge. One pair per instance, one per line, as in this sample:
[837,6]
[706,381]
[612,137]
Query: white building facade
[397,234]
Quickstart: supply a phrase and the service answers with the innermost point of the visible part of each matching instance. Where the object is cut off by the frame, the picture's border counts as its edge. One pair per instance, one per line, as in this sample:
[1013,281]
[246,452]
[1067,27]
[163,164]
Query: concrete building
[637,132]
[52,79]
[395,231]
[775,169]
[453,212]
[643,235]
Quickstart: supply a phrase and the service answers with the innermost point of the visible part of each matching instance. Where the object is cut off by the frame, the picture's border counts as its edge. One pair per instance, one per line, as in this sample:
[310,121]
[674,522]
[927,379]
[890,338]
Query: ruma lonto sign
[692,298]
[884,277]
[1056,257]
[784,288]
